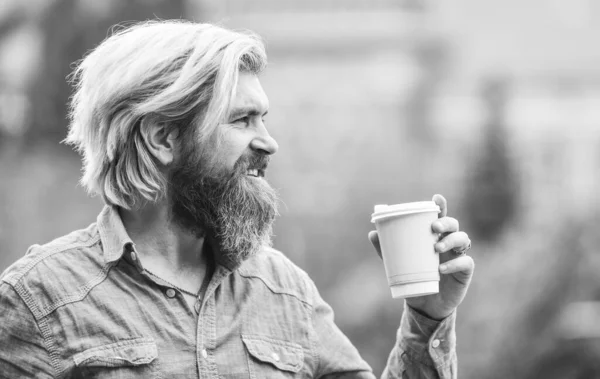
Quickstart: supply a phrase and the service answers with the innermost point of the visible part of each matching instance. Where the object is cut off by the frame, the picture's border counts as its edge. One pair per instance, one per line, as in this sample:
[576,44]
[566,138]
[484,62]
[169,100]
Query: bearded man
[177,279]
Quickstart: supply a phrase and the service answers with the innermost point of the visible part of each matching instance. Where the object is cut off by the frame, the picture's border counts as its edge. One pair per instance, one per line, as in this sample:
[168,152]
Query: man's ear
[159,139]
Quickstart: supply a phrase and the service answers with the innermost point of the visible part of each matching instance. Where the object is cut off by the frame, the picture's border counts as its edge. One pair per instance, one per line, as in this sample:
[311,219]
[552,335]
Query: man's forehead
[249,94]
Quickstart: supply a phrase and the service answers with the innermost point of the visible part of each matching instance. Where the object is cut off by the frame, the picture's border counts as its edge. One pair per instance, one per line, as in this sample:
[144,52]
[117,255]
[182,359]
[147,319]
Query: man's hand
[456,271]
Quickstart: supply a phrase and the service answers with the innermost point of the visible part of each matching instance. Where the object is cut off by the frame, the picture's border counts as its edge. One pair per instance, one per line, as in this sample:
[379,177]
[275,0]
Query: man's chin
[237,212]
[257,187]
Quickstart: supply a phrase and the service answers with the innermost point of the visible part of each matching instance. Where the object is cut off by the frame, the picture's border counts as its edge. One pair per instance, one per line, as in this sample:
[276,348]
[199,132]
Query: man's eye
[242,120]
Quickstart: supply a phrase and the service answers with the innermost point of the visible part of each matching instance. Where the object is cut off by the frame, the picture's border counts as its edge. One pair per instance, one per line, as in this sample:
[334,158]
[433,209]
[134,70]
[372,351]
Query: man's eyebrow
[250,111]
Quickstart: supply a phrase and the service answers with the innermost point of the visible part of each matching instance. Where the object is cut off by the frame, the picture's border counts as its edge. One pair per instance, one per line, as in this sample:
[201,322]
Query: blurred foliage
[431,56]
[510,318]
[491,194]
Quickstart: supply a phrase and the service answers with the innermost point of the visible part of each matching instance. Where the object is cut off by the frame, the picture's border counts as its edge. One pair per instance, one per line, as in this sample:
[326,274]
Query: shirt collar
[114,237]
[116,241]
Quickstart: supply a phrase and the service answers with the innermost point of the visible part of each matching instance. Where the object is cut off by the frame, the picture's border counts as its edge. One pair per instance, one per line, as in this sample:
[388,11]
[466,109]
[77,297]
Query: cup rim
[383,211]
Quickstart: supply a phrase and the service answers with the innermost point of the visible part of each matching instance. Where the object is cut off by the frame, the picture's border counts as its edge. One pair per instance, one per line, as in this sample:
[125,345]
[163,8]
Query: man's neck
[160,242]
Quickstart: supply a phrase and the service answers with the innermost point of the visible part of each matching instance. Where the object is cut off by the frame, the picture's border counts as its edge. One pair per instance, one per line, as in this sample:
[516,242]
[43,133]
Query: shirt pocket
[272,358]
[131,359]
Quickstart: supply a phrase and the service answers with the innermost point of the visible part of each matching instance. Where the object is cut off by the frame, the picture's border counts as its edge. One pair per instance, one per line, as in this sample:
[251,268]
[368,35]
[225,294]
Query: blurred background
[495,105]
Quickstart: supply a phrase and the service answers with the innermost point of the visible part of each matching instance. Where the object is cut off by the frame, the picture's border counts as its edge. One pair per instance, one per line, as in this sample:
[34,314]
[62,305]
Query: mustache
[252,161]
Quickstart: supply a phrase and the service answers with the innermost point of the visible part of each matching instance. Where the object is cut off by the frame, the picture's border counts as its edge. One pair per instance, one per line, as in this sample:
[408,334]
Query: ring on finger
[462,250]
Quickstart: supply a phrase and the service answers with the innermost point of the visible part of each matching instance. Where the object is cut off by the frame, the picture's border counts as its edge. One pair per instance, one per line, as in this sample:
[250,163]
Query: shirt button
[435,343]
[197,307]
[133,256]
[171,293]
[204,354]
[275,357]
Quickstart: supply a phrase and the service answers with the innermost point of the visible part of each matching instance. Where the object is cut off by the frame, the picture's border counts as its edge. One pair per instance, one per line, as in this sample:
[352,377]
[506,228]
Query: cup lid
[382,211]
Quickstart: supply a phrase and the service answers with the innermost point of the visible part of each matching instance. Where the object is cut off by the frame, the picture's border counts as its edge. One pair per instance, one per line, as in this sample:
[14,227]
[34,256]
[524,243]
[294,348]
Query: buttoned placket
[205,309]
[206,338]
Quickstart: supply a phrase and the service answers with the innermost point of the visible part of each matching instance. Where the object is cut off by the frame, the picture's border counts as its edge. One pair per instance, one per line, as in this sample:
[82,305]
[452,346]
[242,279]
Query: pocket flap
[284,355]
[139,351]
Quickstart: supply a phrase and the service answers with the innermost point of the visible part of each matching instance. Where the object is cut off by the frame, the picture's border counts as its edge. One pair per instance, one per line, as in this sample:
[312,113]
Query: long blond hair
[181,73]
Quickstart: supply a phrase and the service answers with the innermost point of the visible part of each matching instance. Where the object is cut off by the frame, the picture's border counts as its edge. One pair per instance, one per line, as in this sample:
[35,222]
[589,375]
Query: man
[176,278]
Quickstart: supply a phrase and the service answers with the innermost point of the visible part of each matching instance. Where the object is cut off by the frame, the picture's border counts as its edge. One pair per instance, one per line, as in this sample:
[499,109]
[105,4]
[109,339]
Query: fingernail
[441,246]
[443,268]
[437,225]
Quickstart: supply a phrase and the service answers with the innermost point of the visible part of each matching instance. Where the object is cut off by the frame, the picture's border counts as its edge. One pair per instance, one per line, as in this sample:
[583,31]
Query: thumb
[374,238]
[442,203]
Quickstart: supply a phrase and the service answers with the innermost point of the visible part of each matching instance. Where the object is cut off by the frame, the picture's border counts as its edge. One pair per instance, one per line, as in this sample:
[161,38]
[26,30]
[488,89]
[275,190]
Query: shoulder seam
[273,288]
[49,342]
[41,325]
[79,295]
[14,278]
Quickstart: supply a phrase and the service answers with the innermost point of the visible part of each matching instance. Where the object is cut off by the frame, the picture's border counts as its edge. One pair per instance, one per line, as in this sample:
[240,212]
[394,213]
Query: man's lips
[257,165]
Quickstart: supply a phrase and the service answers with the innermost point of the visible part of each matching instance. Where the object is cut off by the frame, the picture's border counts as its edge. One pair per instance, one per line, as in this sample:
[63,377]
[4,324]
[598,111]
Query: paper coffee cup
[407,247]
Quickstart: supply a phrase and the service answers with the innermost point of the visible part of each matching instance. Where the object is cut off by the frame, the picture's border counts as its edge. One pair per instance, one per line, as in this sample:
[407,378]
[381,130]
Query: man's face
[245,131]
[218,187]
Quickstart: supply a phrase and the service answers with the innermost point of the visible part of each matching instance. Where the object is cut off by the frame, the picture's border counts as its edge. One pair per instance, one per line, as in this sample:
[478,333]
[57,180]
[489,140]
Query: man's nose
[264,142]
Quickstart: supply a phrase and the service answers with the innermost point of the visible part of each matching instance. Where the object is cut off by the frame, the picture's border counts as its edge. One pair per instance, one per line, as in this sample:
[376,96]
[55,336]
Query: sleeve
[336,356]
[22,350]
[424,348]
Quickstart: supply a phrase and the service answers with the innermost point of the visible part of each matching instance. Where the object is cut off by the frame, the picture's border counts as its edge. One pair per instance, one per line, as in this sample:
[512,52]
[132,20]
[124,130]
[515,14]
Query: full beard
[232,209]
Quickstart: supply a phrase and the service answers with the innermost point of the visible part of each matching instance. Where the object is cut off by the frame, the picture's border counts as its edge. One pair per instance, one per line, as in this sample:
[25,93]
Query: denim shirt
[81,306]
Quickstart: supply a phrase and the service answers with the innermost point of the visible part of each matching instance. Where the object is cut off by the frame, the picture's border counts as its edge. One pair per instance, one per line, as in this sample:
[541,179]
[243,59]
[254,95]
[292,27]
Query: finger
[442,203]
[374,238]
[456,240]
[445,225]
[463,264]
